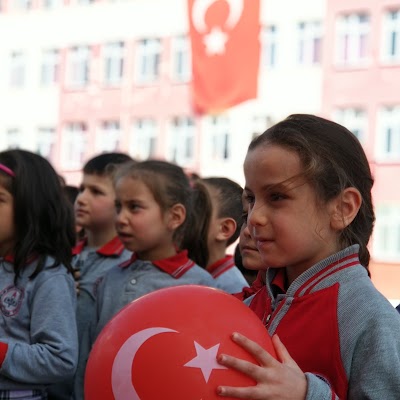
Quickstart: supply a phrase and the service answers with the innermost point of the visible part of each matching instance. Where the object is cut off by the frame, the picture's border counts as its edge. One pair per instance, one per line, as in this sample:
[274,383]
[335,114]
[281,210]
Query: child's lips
[123,235]
[81,211]
[248,248]
[262,242]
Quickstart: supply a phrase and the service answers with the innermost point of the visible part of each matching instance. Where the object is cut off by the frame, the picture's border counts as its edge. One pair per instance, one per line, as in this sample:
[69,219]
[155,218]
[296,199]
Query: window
[269,45]
[309,42]
[354,119]
[78,66]
[386,243]
[148,60]
[108,137]
[181,148]
[45,142]
[388,134]
[113,63]
[218,129]
[50,67]
[144,136]
[352,39]
[21,4]
[13,138]
[74,145]
[52,3]
[391,36]
[181,59]
[260,124]
[17,69]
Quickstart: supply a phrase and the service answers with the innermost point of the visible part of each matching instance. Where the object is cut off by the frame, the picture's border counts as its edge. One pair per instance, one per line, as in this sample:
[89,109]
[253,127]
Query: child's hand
[275,379]
[77,276]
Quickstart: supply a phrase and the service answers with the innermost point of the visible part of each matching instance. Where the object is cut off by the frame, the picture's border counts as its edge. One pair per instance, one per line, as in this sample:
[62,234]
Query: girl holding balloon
[308,189]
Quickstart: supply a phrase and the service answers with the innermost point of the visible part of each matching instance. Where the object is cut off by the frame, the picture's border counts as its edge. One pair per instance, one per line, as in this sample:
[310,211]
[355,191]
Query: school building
[79,77]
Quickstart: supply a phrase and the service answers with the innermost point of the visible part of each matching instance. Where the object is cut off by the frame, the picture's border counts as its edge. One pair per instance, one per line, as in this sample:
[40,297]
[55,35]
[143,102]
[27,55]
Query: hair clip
[7,170]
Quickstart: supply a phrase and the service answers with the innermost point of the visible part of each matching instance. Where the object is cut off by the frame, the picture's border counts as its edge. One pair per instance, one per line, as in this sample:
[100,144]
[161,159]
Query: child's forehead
[3,189]
[132,183]
[101,179]
[5,182]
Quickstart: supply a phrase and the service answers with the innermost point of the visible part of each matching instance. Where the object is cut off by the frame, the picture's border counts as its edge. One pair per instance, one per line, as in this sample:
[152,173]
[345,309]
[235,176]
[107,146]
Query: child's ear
[227,227]
[176,216]
[346,207]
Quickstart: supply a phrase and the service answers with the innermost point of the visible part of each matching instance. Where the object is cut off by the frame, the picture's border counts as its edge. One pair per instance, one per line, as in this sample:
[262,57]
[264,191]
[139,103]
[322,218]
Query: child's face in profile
[251,257]
[94,204]
[7,231]
[141,224]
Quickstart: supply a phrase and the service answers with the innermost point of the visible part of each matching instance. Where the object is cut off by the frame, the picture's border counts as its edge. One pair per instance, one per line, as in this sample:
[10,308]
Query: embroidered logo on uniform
[11,300]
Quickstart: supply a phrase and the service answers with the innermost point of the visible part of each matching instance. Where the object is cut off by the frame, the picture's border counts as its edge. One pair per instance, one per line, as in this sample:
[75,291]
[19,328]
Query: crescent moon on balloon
[121,374]
[200,8]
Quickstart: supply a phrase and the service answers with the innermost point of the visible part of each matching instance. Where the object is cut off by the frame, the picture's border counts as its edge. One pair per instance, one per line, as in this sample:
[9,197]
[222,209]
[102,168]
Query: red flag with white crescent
[225,52]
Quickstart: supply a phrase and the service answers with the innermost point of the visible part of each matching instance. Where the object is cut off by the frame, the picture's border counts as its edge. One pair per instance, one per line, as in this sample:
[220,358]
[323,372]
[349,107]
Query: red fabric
[314,316]
[221,266]
[176,265]
[113,248]
[225,52]
[258,284]
[3,352]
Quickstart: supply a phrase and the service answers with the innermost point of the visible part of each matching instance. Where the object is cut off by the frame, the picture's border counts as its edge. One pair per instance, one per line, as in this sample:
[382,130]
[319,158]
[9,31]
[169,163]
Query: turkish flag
[225,52]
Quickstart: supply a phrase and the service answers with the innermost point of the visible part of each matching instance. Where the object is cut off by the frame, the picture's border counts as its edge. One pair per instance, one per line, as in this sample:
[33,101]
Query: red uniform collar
[279,280]
[113,248]
[10,258]
[257,284]
[176,266]
[219,267]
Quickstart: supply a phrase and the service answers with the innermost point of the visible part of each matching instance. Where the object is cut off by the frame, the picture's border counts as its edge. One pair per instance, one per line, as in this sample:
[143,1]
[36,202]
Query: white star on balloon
[205,360]
[215,41]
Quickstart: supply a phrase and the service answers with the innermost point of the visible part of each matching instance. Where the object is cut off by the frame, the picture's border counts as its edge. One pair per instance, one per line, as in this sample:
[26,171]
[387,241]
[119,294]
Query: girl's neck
[99,239]
[156,254]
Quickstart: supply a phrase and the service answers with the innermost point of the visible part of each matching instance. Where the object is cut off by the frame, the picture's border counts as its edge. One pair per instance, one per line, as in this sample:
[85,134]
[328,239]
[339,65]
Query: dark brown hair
[43,219]
[333,160]
[166,181]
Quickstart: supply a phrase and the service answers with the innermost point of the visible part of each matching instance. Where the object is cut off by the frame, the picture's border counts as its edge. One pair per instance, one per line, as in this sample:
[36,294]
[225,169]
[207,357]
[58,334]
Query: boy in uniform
[100,249]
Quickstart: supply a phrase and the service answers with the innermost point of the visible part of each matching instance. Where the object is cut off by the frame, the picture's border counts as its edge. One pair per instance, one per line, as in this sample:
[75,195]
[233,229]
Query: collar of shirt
[113,248]
[279,281]
[219,267]
[175,266]
[10,258]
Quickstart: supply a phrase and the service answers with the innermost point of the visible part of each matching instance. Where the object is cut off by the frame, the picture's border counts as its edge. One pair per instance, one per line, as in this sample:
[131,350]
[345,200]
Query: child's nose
[80,198]
[257,216]
[120,217]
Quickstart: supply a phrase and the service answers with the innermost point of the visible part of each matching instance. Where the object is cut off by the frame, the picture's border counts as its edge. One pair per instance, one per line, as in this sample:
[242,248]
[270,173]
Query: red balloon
[164,346]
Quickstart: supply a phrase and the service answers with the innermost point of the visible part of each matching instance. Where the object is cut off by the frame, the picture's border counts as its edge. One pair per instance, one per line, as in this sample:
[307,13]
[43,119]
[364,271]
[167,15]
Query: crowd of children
[70,260]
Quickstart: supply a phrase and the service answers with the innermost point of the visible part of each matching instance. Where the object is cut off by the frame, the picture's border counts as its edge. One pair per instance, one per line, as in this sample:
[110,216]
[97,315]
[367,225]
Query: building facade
[361,90]
[79,77]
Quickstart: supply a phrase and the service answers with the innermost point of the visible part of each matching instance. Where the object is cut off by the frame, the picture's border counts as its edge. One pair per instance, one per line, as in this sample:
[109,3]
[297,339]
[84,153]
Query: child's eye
[133,207]
[244,216]
[117,206]
[249,199]
[277,196]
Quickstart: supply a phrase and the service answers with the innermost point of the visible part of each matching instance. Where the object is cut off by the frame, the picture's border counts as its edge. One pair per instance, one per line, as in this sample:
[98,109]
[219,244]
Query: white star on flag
[215,41]
[205,360]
